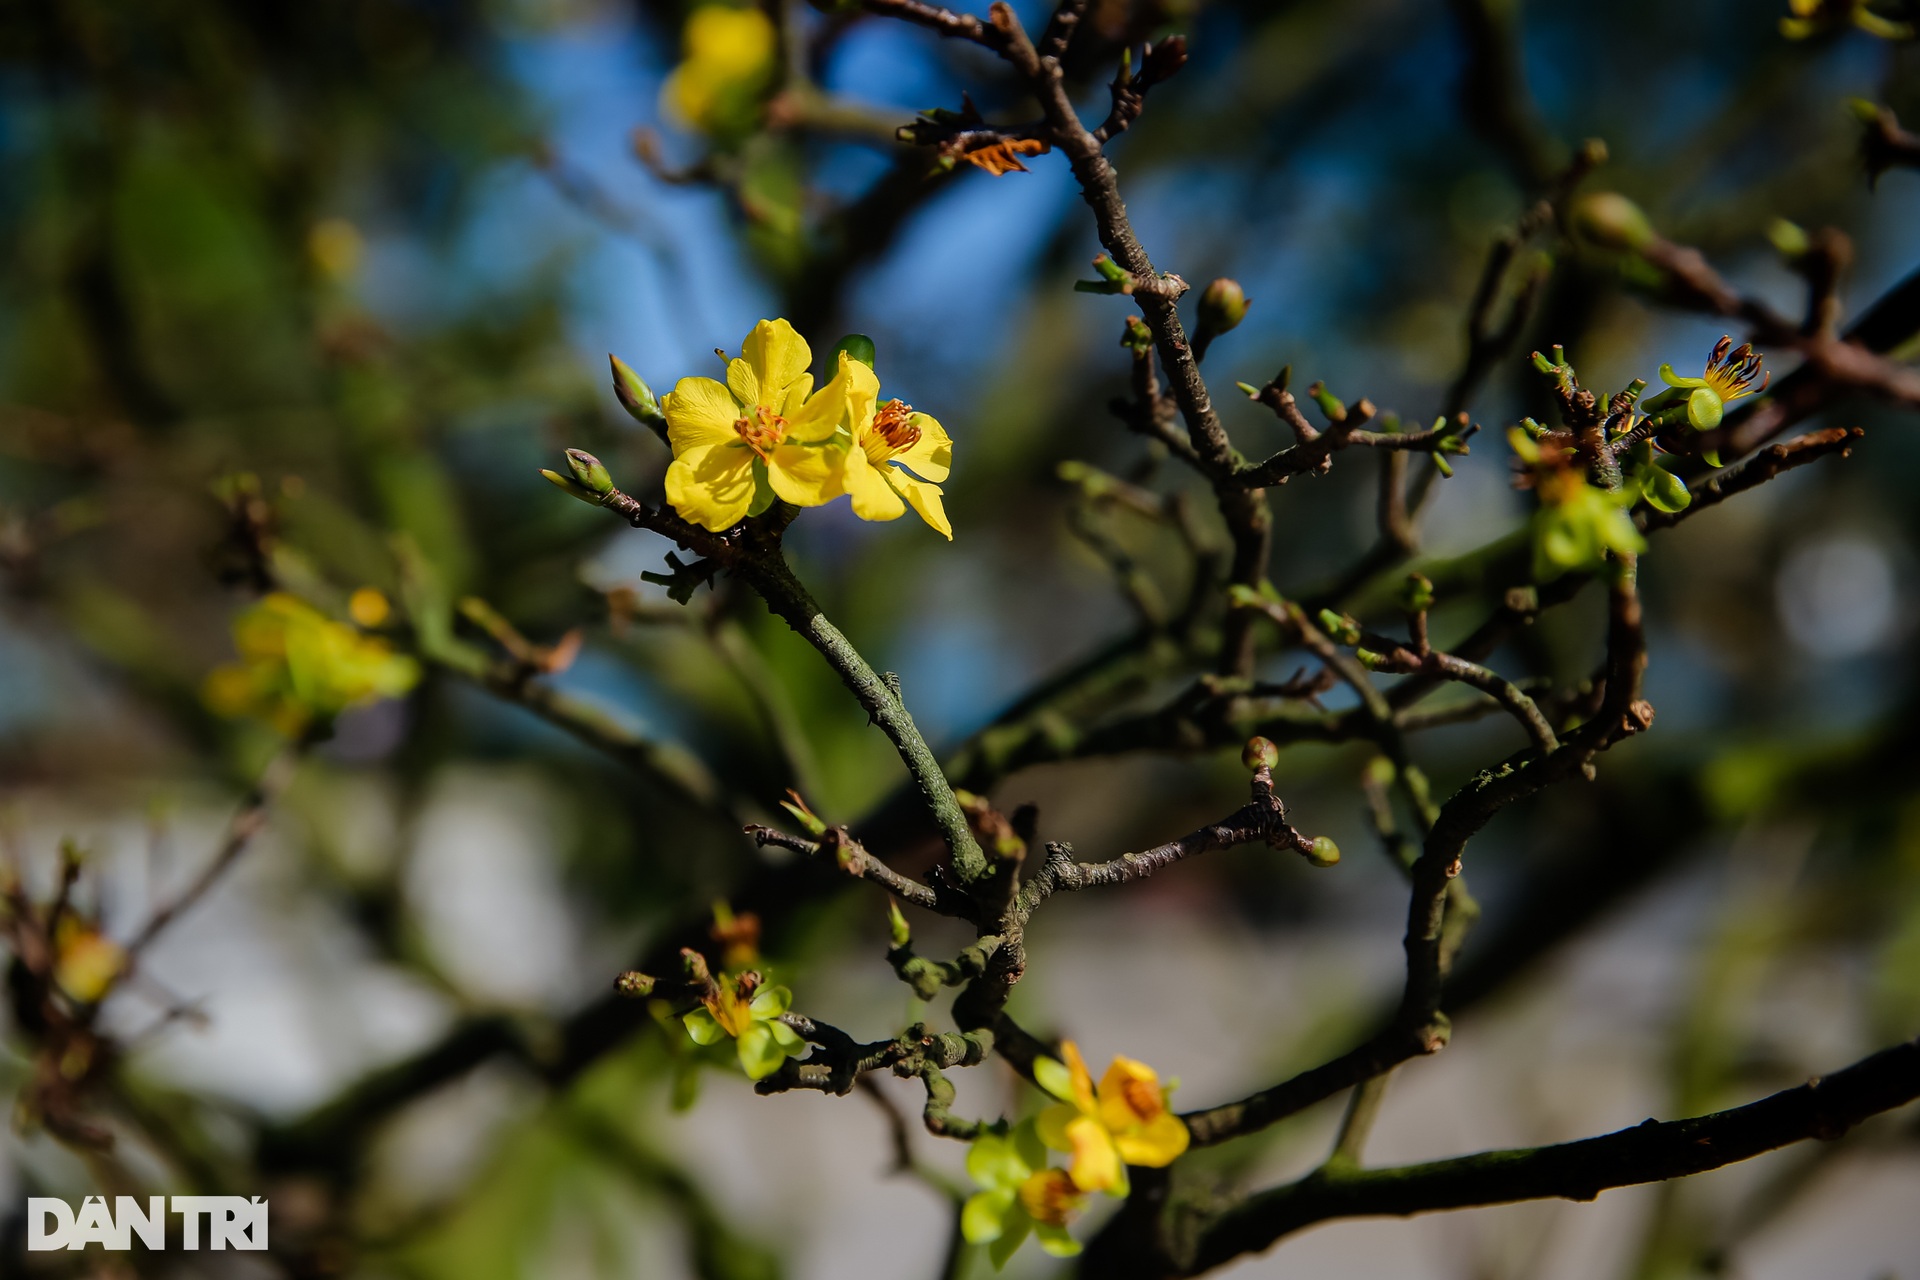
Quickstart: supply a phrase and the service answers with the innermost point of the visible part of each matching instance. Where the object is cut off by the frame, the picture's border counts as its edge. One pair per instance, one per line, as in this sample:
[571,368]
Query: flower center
[1732,375]
[1049,1196]
[1143,1098]
[761,428]
[891,431]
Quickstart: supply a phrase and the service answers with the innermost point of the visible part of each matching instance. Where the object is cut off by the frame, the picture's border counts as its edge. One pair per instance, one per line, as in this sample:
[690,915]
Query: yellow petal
[1051,1124]
[777,356]
[873,498]
[819,417]
[744,381]
[700,413]
[797,396]
[1156,1144]
[924,497]
[1082,1078]
[712,485]
[863,394]
[931,456]
[1096,1164]
[1130,1095]
[807,475]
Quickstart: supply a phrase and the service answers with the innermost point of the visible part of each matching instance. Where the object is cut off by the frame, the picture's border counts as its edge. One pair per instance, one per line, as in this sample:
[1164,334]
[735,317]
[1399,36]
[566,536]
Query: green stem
[774,579]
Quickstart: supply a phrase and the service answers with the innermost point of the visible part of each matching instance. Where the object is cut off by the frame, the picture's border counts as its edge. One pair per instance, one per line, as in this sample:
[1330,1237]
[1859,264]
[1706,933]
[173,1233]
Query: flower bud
[572,487]
[1612,221]
[1223,306]
[1416,596]
[589,471]
[1339,626]
[1324,852]
[1331,405]
[857,346]
[634,983]
[635,396]
[897,932]
[1260,753]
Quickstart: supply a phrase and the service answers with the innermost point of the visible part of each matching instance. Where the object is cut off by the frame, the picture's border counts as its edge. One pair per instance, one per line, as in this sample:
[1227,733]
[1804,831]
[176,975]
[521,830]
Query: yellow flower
[85,963]
[739,1007]
[298,665]
[1125,1122]
[761,435]
[1730,374]
[888,438]
[729,58]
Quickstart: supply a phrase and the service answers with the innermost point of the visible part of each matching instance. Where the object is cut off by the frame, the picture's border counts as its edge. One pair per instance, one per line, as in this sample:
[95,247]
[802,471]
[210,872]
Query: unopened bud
[857,346]
[1260,753]
[635,396]
[590,472]
[897,931]
[572,487]
[1333,406]
[1340,627]
[1609,219]
[1416,596]
[1323,852]
[1223,305]
[634,983]
[1163,61]
[1137,338]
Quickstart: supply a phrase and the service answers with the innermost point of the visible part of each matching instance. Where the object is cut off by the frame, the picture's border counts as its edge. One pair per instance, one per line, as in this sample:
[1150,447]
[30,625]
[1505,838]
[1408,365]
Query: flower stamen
[762,429]
[892,430]
[1731,375]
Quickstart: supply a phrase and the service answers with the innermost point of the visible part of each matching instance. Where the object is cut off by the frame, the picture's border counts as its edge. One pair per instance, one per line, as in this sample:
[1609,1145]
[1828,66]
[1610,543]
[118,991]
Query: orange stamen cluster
[893,426]
[762,429]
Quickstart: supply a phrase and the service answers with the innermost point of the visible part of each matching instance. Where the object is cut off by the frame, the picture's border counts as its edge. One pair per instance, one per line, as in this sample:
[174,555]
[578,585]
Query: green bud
[1380,771]
[1249,390]
[589,471]
[1367,658]
[635,396]
[1109,270]
[634,983]
[1704,408]
[897,931]
[1223,305]
[1324,852]
[1864,111]
[858,346]
[1137,338]
[1612,221]
[1417,594]
[1260,753]
[1330,404]
[1340,627]
[1242,596]
[1788,237]
[572,487]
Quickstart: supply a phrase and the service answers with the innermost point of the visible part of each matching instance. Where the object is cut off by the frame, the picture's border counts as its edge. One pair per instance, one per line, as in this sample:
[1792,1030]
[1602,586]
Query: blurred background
[303,295]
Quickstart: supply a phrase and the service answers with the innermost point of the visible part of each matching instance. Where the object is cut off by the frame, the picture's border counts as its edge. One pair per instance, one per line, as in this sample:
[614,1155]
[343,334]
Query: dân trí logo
[232,1222]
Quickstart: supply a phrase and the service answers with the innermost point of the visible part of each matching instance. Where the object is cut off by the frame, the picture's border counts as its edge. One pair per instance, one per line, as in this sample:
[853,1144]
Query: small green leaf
[983,1219]
[702,1028]
[1052,1075]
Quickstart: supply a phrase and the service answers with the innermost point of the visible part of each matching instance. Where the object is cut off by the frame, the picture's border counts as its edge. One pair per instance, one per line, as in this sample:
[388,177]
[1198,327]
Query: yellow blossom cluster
[768,433]
[298,666]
